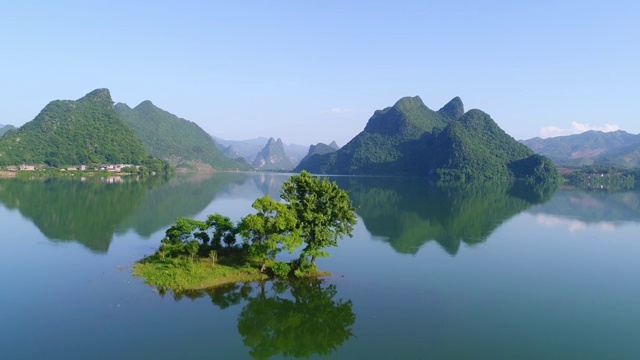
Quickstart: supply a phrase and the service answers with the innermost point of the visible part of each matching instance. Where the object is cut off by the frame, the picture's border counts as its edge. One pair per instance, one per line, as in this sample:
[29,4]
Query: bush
[281,269]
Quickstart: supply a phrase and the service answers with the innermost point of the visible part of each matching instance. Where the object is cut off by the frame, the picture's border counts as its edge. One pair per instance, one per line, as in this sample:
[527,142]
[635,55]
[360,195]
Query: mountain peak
[98,95]
[272,157]
[408,103]
[122,106]
[334,145]
[147,104]
[454,109]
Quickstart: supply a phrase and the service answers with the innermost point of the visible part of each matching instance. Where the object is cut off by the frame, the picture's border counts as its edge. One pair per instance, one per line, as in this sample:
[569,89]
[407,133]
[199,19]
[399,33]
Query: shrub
[281,269]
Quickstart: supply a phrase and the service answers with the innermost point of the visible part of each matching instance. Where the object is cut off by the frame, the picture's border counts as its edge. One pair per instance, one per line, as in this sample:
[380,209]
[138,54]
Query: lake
[473,272]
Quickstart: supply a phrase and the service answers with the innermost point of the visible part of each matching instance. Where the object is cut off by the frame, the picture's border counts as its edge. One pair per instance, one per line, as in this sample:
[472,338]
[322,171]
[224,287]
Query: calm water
[480,272]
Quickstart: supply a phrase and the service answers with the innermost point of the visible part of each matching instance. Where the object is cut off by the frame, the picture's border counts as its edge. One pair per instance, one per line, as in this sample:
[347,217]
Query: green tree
[179,235]
[323,211]
[271,230]
[223,230]
[192,248]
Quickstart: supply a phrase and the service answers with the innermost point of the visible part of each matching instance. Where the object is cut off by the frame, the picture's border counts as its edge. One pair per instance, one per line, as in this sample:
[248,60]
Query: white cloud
[338,110]
[576,128]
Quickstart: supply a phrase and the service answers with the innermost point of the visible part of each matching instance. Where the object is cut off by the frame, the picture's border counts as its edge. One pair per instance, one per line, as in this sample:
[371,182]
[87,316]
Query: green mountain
[272,157]
[320,149]
[411,139]
[587,148]
[176,140]
[381,147]
[454,109]
[5,128]
[66,132]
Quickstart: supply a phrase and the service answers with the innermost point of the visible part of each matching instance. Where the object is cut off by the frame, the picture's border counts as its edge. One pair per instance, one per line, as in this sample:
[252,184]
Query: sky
[315,71]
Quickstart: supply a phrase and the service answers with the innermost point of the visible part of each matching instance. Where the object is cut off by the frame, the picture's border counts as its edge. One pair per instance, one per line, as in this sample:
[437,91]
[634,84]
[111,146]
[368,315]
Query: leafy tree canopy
[324,213]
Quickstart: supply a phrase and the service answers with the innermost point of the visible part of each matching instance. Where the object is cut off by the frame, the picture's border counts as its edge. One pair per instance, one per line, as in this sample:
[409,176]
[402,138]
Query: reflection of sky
[579,210]
[573,224]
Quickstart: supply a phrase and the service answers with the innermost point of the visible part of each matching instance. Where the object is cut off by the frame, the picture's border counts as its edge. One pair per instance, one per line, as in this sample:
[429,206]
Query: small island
[313,215]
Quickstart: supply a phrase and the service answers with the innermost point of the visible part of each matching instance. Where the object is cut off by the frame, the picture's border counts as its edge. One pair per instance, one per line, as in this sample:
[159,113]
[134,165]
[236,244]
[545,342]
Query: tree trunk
[313,260]
[264,267]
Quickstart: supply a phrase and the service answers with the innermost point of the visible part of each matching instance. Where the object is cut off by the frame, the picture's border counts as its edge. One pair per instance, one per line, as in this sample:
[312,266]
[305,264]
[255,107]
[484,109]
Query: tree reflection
[297,319]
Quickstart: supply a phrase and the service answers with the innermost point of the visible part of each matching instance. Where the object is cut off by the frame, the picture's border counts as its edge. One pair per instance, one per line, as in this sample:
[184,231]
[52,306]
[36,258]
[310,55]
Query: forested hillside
[320,149]
[176,140]
[411,139]
[66,132]
[5,128]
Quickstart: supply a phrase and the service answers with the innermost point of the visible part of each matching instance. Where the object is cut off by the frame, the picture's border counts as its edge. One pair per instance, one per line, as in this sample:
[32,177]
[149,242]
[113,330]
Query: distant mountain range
[5,128]
[249,149]
[617,148]
[175,140]
[408,138]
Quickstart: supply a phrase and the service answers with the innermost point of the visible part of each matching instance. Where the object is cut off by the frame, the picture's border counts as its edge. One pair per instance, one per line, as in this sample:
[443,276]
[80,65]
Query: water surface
[482,272]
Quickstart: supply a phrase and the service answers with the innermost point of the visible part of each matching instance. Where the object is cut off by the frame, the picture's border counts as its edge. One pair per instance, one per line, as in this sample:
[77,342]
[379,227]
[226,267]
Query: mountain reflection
[182,196]
[73,210]
[409,212]
[297,319]
[90,211]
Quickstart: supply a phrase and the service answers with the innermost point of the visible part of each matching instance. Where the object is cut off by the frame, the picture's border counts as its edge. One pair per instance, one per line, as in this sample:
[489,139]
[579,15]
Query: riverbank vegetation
[603,177]
[149,166]
[313,215]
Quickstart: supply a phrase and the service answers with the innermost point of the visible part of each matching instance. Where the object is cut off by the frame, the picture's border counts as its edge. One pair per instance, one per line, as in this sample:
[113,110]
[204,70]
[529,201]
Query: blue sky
[315,71]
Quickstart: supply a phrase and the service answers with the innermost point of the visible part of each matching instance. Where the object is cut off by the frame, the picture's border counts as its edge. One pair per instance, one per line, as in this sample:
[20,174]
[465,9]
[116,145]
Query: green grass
[184,274]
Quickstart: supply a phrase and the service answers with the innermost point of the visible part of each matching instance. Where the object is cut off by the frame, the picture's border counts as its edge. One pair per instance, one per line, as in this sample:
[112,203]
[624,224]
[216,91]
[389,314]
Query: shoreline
[200,274]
